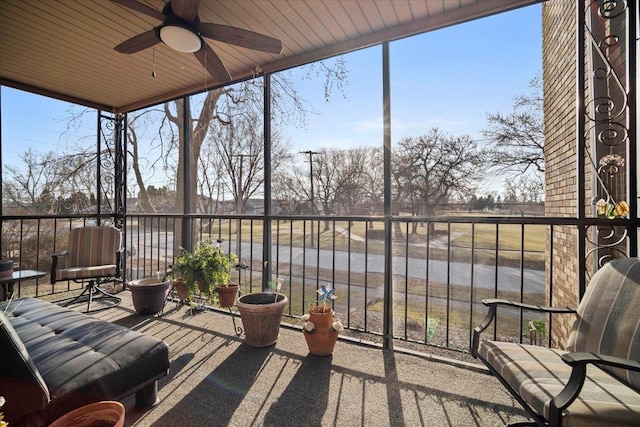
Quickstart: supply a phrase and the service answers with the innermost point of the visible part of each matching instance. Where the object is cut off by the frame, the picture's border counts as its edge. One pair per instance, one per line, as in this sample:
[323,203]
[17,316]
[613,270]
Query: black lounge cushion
[19,378]
[82,359]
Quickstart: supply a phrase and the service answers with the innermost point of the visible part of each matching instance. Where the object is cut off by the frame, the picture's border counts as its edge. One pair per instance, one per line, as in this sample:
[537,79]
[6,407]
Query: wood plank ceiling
[64,48]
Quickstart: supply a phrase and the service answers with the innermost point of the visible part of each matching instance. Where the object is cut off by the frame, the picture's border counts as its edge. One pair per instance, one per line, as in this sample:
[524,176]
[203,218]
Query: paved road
[484,276]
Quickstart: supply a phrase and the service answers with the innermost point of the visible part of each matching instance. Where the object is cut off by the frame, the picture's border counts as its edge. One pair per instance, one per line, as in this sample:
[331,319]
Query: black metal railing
[442,267]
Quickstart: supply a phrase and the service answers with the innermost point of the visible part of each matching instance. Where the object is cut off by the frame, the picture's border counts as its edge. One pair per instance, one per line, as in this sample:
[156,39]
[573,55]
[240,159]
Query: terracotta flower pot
[322,339]
[227,295]
[99,414]
[149,294]
[181,288]
[202,287]
[261,316]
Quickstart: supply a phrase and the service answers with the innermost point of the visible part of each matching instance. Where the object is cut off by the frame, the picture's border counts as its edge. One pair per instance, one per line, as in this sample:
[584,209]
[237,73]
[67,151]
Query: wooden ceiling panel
[64,48]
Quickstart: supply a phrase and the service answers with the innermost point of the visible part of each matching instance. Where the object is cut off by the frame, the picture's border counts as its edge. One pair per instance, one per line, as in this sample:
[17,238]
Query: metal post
[266,231]
[239,211]
[311,153]
[387,327]
[186,174]
[580,146]
[632,116]
[120,200]
[98,168]
[239,203]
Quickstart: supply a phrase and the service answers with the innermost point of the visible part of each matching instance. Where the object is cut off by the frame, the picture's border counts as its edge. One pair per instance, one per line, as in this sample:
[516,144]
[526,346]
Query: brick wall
[559,70]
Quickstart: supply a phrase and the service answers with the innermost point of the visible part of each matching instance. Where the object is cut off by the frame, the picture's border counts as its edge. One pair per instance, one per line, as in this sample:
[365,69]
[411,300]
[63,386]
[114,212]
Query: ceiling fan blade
[139,42]
[185,9]
[240,37]
[142,8]
[211,61]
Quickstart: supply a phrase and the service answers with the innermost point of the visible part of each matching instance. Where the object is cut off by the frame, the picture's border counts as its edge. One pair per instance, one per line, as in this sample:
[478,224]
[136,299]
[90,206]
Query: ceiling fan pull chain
[153,62]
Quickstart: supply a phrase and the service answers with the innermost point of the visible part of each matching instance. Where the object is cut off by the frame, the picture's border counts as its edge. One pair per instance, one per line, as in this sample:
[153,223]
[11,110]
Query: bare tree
[518,137]
[211,182]
[523,192]
[373,182]
[326,180]
[374,179]
[25,184]
[430,169]
[142,165]
[290,188]
[238,148]
[49,182]
[339,177]
[225,107]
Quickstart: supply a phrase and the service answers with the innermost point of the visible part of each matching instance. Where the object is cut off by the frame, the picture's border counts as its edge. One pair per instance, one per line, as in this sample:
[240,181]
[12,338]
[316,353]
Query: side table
[17,276]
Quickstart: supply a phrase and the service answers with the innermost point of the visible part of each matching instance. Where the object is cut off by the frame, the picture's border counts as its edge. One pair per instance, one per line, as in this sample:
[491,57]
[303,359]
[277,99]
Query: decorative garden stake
[320,328]
[278,287]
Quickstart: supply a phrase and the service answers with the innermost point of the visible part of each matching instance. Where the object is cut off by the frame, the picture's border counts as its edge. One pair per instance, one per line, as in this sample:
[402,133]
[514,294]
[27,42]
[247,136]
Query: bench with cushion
[54,359]
[595,380]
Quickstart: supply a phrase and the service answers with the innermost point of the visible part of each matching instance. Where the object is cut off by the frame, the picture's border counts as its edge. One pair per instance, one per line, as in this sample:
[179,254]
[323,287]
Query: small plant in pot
[217,273]
[320,328]
[205,269]
[185,272]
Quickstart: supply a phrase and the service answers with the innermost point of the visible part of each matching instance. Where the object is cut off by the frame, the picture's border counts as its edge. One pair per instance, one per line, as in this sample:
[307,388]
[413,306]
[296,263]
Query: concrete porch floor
[217,380]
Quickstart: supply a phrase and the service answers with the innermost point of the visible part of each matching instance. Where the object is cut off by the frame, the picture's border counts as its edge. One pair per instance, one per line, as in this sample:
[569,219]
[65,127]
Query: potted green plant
[207,268]
[185,272]
[218,274]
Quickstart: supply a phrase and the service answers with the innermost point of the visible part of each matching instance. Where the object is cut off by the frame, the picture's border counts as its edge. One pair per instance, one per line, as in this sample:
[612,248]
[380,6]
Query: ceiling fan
[182,30]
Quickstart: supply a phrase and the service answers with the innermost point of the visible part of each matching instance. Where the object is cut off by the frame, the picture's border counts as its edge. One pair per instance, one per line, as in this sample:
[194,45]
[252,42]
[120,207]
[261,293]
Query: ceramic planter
[106,413]
[227,295]
[261,315]
[149,294]
[321,338]
[6,267]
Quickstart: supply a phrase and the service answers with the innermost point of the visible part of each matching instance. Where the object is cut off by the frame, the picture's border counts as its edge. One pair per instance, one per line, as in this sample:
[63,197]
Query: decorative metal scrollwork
[610,9]
[606,110]
[111,161]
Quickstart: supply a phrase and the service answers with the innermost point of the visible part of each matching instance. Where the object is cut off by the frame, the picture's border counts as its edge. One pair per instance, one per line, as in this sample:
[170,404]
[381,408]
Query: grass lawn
[511,244]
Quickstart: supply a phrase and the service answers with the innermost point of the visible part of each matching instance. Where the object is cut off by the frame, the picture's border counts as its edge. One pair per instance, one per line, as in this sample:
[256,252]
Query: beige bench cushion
[538,374]
[608,320]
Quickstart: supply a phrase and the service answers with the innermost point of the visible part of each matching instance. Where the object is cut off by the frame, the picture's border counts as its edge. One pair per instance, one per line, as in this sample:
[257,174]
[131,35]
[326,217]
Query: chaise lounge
[54,359]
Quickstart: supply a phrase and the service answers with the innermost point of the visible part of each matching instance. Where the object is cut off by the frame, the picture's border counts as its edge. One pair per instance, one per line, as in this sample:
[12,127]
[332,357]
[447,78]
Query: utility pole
[239,200]
[313,206]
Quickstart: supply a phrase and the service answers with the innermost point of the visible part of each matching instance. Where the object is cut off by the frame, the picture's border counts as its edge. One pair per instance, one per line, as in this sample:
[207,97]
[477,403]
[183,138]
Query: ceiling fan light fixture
[180,38]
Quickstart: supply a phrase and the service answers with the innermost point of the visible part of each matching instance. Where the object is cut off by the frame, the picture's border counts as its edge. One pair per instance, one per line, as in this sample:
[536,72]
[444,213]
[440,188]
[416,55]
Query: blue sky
[448,78]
